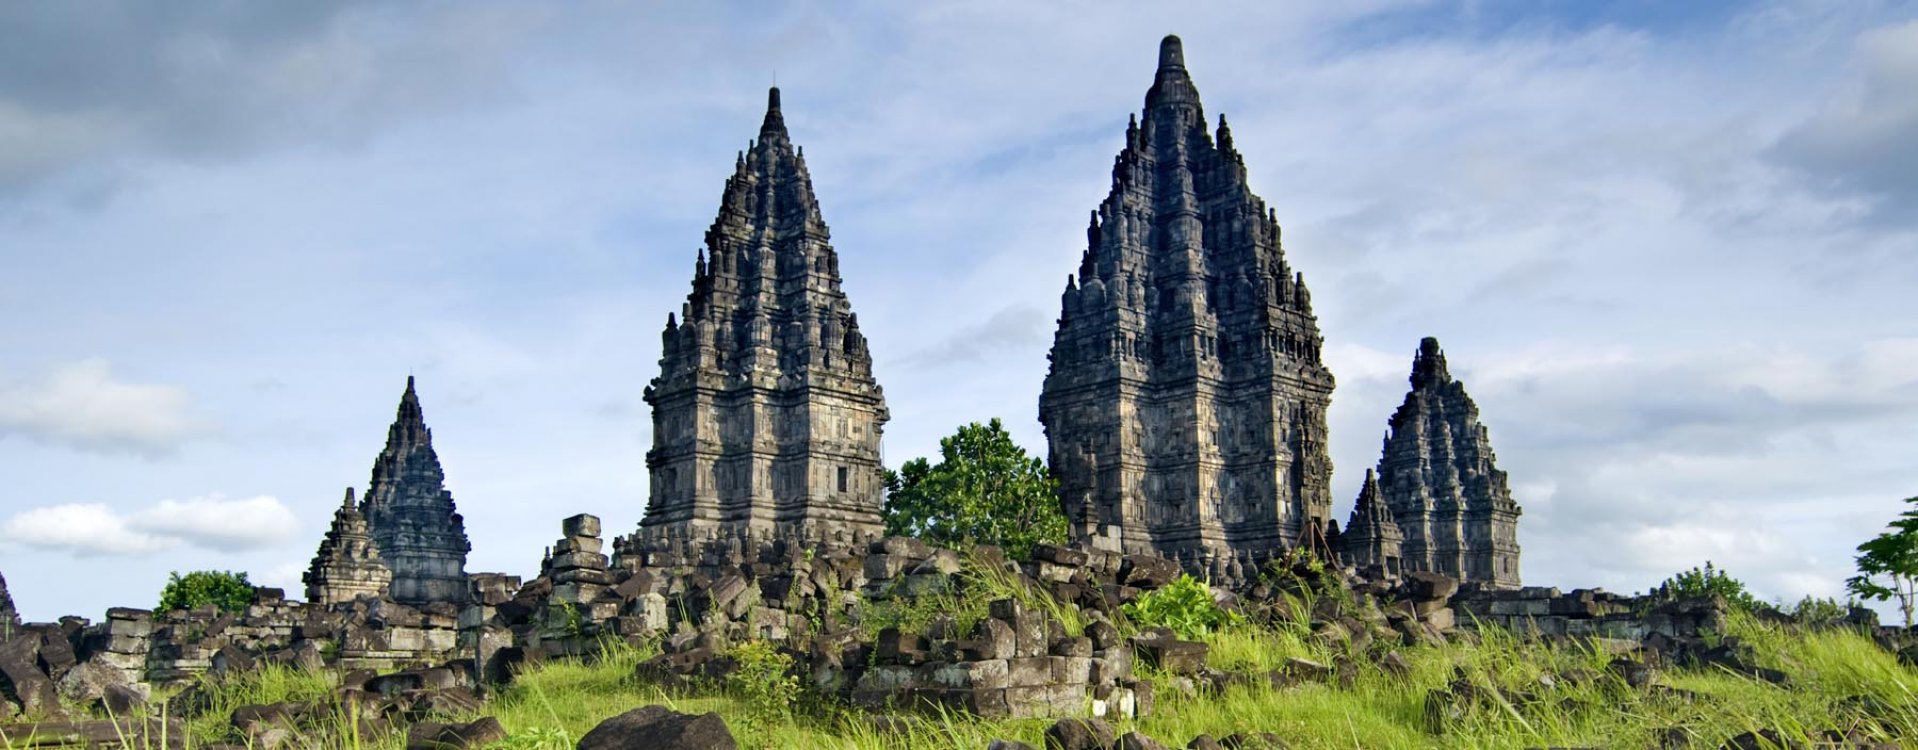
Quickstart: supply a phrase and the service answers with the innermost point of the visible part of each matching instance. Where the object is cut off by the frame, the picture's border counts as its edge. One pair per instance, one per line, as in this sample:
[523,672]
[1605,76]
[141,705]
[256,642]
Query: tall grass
[1523,693]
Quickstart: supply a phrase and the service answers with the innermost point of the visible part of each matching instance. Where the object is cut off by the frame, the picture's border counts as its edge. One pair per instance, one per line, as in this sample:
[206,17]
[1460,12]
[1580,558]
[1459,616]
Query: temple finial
[1171,52]
[1429,365]
[775,122]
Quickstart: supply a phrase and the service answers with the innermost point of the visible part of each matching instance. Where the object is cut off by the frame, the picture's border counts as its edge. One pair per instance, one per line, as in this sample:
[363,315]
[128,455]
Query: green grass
[1841,680]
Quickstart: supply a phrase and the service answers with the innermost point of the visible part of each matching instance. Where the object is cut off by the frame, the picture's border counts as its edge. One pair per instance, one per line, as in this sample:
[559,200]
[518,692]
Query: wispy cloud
[83,405]
[97,530]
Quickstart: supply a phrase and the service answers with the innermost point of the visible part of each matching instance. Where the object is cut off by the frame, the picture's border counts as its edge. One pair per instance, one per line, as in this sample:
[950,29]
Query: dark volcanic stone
[428,735]
[1080,734]
[659,728]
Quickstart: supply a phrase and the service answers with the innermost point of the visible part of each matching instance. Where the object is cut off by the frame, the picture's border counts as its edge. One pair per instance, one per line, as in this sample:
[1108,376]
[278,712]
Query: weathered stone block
[1075,670]
[1030,628]
[1028,671]
[1172,655]
[582,525]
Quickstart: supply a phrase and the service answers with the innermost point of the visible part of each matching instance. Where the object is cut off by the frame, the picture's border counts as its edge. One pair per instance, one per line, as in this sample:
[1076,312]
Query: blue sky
[1668,246]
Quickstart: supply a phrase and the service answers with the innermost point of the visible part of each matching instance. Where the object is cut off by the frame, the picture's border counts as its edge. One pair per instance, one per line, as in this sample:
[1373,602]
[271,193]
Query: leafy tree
[226,590]
[1704,583]
[1888,565]
[984,490]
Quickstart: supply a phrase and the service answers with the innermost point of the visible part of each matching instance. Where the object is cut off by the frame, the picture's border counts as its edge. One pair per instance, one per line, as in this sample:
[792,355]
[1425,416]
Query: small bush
[1707,582]
[762,680]
[1184,605]
[1815,611]
[227,590]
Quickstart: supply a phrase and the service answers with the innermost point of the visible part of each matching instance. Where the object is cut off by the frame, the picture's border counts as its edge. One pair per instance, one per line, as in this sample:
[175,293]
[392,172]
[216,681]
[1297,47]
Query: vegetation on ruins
[1547,694]
[1185,606]
[984,490]
[227,590]
[1707,582]
[1888,564]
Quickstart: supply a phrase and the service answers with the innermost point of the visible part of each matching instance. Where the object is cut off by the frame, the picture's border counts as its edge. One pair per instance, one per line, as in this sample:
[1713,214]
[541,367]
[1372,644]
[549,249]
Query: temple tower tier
[1185,407]
[1442,483]
[766,417]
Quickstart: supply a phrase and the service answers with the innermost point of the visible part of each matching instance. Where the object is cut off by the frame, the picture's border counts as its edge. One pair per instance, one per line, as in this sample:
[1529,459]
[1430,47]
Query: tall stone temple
[1186,402]
[1442,483]
[410,515]
[766,417]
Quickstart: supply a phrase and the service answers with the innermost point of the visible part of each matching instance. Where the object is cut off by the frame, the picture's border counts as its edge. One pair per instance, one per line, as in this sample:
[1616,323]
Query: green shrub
[227,590]
[1704,583]
[1815,611]
[1184,605]
[762,680]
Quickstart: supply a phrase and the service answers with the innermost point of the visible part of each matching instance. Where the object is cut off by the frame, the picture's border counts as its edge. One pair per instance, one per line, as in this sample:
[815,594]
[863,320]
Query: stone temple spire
[411,516]
[348,564]
[1186,403]
[1441,480]
[1372,538]
[766,417]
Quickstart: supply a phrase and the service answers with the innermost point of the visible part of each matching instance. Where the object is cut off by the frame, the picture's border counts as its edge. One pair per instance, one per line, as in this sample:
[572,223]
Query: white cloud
[220,524]
[85,529]
[84,406]
[97,530]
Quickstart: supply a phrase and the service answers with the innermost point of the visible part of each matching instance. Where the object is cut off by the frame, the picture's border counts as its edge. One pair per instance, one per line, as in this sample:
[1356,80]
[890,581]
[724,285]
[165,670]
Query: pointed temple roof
[767,347]
[1184,295]
[766,290]
[348,562]
[1371,515]
[409,512]
[1441,479]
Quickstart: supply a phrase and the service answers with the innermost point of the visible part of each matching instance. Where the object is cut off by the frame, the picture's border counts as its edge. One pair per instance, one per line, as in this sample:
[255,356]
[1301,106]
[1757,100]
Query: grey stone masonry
[1372,540]
[411,515]
[1442,482]
[1186,403]
[766,417]
[348,564]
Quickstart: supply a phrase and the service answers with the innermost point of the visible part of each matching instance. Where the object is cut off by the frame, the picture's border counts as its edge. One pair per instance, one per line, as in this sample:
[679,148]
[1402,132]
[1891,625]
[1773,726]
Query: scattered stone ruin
[1046,641]
[1185,407]
[766,417]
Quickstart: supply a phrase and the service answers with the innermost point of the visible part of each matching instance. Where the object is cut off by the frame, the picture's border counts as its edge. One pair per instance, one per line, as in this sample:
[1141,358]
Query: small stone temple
[348,565]
[1185,408]
[410,515]
[1372,540]
[1442,483]
[766,417]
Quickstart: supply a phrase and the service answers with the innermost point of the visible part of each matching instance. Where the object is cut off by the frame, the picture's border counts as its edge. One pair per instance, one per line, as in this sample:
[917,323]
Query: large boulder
[1080,734]
[429,735]
[660,728]
[23,681]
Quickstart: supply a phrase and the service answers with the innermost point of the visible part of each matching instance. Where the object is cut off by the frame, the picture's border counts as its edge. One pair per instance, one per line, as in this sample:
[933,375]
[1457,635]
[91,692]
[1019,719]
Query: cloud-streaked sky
[1669,247]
